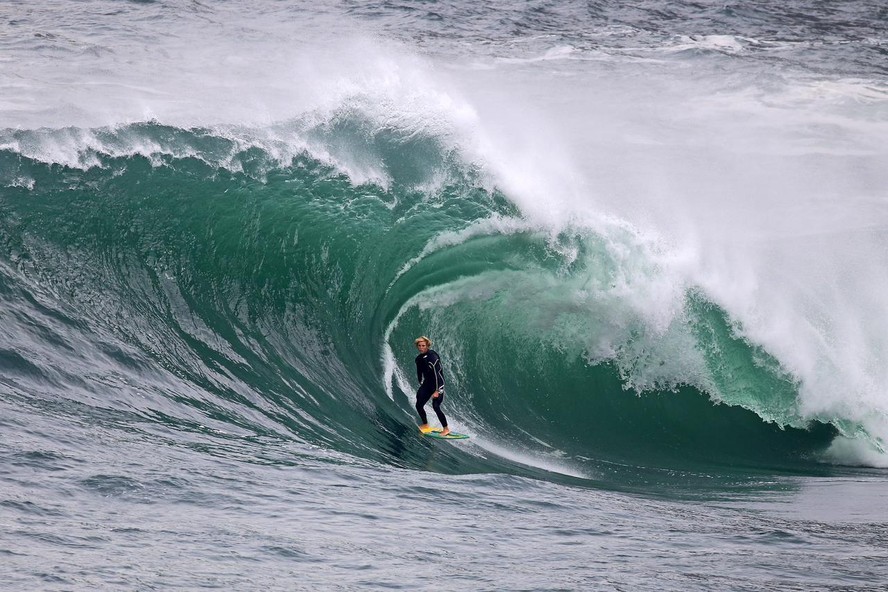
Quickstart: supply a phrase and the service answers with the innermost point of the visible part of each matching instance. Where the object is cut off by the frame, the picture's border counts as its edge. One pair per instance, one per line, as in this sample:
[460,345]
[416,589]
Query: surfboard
[436,433]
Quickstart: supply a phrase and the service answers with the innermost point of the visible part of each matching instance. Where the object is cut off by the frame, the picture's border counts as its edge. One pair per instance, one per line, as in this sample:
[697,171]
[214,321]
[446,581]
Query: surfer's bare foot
[445,431]
[425,428]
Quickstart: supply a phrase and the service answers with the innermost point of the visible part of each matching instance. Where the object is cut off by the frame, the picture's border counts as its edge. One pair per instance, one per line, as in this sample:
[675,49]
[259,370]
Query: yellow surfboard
[436,433]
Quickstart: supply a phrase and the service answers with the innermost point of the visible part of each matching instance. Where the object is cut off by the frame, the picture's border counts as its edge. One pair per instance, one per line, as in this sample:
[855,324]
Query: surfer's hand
[435,395]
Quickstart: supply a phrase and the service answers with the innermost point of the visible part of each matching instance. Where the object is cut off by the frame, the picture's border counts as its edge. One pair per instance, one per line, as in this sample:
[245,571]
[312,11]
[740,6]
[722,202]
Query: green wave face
[207,285]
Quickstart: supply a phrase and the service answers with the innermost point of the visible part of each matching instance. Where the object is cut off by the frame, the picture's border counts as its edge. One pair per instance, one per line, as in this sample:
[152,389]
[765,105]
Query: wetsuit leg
[422,397]
[436,405]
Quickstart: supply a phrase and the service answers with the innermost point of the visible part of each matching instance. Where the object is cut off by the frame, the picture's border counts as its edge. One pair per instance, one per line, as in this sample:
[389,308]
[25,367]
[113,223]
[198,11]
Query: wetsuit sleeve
[418,369]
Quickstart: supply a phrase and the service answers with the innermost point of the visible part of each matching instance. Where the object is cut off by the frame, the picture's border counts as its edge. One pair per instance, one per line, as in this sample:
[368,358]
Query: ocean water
[648,240]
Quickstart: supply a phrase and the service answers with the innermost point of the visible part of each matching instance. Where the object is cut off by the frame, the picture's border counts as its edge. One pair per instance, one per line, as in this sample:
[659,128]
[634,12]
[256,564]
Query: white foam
[856,452]
[727,43]
[510,452]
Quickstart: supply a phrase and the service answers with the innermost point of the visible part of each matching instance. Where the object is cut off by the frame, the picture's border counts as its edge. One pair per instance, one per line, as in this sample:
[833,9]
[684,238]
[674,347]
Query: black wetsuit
[431,379]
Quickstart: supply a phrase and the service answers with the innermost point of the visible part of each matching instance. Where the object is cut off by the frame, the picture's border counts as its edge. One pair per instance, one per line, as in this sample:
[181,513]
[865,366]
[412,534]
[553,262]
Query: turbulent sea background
[648,240]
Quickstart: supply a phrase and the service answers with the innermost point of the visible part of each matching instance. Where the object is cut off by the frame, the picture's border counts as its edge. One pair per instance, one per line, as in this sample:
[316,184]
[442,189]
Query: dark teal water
[215,256]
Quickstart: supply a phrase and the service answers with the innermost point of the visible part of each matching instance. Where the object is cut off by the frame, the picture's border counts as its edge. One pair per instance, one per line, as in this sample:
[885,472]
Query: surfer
[431,384]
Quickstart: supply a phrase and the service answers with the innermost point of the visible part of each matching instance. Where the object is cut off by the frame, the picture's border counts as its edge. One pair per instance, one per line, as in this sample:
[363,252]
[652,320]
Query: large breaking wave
[624,256]
[208,285]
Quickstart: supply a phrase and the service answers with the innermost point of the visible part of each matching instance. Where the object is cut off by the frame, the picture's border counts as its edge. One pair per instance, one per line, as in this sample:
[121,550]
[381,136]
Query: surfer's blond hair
[427,341]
